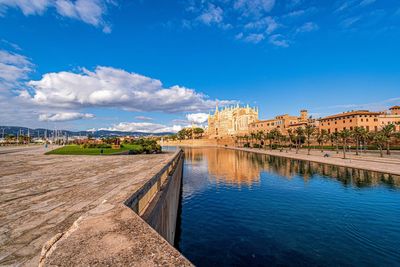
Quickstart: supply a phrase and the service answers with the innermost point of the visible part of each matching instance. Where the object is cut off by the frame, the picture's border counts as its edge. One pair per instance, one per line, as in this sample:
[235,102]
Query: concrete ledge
[112,234]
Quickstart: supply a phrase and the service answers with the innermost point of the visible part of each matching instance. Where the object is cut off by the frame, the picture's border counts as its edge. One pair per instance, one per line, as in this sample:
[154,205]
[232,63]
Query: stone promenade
[42,196]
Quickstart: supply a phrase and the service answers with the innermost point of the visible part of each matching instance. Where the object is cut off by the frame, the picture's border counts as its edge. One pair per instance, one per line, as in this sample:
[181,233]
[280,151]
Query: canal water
[247,209]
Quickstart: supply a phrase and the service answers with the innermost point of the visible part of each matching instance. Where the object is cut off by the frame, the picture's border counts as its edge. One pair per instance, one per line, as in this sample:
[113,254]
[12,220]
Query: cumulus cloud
[110,87]
[213,14]
[14,68]
[65,116]
[88,11]
[198,118]
[144,127]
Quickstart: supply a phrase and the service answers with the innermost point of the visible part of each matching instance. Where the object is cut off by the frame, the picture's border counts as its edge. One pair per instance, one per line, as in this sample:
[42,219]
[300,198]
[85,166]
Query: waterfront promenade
[43,197]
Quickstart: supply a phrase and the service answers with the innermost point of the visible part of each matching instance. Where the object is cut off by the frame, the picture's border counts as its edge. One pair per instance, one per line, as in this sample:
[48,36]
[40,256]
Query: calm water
[245,209]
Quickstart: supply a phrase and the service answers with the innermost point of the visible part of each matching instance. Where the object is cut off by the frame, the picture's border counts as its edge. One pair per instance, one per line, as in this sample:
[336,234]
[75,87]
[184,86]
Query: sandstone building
[231,121]
[283,123]
[371,121]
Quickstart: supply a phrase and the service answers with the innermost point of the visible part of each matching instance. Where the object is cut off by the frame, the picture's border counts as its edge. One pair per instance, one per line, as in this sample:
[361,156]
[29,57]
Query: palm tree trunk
[357,146]
[388,147]
[344,149]
[381,151]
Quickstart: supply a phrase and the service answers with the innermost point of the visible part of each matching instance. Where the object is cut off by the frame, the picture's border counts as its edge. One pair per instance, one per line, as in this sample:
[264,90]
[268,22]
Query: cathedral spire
[216,107]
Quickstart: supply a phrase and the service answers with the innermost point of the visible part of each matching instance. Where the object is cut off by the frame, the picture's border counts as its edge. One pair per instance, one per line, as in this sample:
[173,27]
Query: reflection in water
[244,168]
[248,209]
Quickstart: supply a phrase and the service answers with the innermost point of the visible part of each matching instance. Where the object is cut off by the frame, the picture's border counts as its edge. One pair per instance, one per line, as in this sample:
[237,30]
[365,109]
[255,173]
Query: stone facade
[371,121]
[231,121]
[283,123]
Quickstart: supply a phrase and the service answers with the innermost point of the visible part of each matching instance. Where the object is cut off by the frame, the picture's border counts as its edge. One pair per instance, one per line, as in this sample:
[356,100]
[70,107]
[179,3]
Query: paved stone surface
[43,195]
[371,162]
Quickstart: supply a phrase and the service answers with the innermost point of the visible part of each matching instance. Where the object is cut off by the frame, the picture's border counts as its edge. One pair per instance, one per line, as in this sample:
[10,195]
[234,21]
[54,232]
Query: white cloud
[254,38]
[14,68]
[307,27]
[88,11]
[268,24]
[145,127]
[198,118]
[254,7]
[278,40]
[65,116]
[110,87]
[213,14]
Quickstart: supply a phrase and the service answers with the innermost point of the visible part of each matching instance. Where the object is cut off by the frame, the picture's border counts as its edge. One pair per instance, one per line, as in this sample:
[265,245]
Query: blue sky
[158,65]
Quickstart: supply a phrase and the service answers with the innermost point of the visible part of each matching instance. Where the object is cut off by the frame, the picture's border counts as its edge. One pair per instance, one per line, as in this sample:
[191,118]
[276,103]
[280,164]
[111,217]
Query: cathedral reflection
[244,168]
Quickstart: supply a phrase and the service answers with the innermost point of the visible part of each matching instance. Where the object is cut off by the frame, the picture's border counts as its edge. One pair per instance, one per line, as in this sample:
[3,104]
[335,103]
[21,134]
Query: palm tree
[387,131]
[260,136]
[322,138]
[335,141]
[344,135]
[358,134]
[309,132]
[380,139]
[299,137]
[292,136]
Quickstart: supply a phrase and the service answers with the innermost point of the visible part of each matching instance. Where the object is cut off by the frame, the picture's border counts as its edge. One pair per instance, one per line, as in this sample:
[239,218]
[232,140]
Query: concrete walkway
[42,196]
[366,162]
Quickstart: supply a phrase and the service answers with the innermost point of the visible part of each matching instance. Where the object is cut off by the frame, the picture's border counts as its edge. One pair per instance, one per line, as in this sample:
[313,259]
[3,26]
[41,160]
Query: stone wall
[162,212]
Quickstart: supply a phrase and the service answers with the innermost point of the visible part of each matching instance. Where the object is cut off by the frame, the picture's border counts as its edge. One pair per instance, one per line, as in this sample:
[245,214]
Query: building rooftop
[351,113]
[395,107]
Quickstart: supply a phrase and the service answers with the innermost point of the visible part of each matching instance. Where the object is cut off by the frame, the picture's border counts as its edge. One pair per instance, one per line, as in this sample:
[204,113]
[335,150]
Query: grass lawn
[77,150]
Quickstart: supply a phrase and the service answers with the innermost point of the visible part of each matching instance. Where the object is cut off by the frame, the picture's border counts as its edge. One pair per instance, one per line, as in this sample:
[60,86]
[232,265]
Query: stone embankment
[69,210]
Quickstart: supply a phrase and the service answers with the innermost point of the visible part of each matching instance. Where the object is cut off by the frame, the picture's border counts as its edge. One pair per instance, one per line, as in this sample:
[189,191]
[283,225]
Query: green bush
[257,146]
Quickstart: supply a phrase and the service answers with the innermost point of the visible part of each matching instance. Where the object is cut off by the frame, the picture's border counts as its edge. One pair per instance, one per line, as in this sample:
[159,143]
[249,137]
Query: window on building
[362,119]
[335,129]
[344,121]
[376,128]
[367,128]
[366,119]
[329,131]
[344,128]
[351,128]
[351,120]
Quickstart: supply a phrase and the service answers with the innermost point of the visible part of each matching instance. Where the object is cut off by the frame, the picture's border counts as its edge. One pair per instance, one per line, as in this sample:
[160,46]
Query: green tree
[358,134]
[380,139]
[345,136]
[182,134]
[387,131]
[335,141]
[322,137]
[198,132]
[299,137]
[309,131]
[292,138]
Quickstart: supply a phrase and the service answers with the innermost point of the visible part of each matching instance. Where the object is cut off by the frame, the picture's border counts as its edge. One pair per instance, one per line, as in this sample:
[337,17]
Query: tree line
[310,135]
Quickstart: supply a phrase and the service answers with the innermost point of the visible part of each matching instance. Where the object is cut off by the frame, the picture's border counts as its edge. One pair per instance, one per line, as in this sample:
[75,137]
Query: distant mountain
[14,130]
